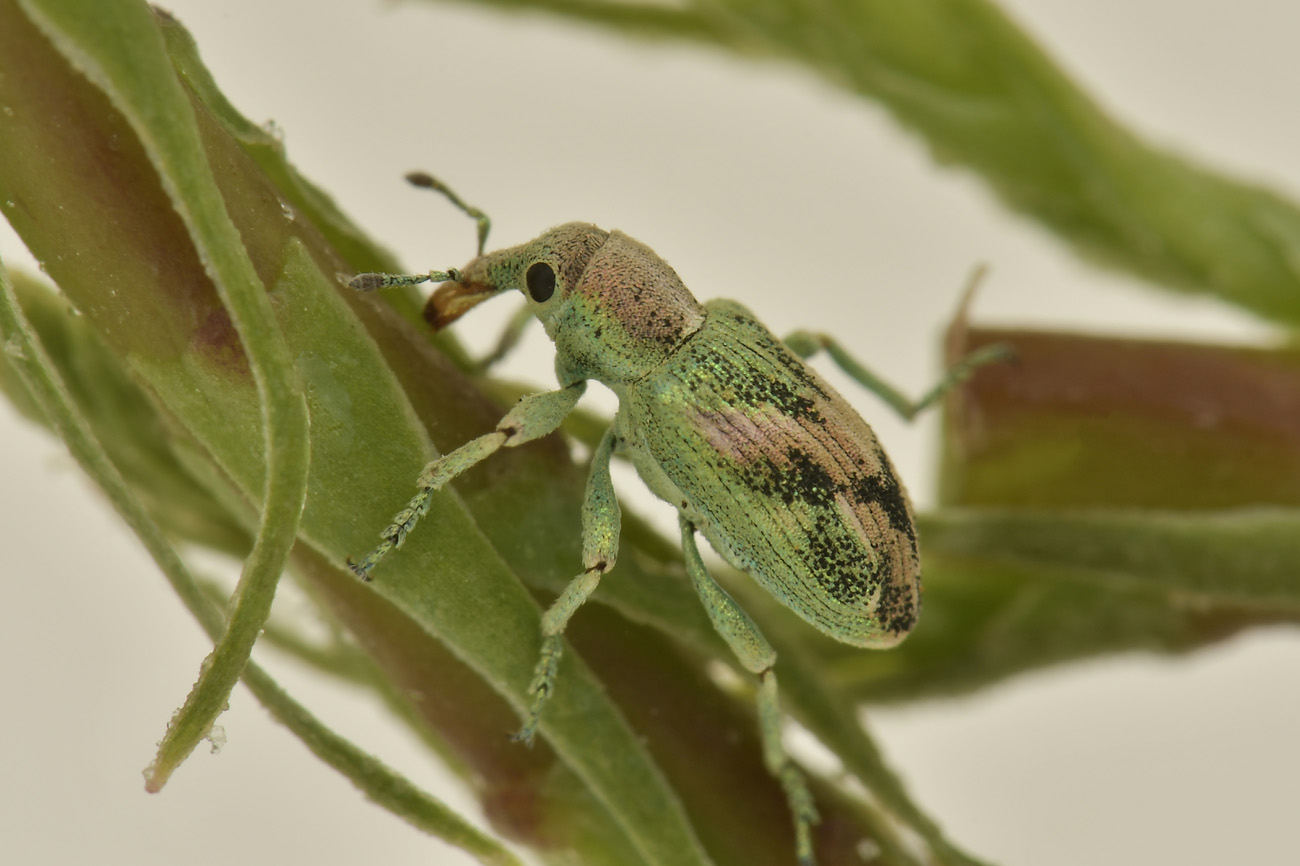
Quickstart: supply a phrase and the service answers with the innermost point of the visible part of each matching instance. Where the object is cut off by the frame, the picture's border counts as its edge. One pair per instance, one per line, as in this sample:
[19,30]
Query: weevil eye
[541,281]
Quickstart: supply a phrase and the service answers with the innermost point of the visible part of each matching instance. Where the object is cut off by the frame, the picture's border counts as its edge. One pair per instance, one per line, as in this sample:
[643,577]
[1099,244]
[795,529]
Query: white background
[756,182]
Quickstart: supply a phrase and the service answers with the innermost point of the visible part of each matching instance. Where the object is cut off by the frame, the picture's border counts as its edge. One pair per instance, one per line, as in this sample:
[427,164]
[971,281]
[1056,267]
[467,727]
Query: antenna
[428,181]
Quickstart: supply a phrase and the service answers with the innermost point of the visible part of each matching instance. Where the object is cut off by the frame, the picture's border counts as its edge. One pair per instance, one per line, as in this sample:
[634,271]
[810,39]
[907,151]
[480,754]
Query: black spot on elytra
[802,478]
[795,365]
[884,490]
[759,374]
[799,479]
[792,363]
[844,570]
[754,386]
[895,608]
[840,562]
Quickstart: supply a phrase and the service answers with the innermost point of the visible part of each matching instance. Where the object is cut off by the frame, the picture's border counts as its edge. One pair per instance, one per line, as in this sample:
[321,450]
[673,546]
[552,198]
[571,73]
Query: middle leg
[601,521]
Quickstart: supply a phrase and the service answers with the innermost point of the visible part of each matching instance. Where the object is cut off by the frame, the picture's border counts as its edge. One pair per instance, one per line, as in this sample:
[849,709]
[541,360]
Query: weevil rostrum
[721,419]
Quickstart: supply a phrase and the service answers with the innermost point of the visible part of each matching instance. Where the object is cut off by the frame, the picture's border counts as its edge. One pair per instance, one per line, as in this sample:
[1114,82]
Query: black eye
[541,281]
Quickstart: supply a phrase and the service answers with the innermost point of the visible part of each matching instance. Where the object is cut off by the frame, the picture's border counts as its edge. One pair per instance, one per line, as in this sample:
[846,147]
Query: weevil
[721,419]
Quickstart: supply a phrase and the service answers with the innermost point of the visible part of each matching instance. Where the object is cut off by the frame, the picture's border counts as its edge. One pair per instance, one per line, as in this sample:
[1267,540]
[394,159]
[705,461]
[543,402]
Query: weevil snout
[453,299]
[545,268]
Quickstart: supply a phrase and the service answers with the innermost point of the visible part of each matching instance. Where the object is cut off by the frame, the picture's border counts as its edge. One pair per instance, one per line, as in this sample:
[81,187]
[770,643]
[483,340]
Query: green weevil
[721,419]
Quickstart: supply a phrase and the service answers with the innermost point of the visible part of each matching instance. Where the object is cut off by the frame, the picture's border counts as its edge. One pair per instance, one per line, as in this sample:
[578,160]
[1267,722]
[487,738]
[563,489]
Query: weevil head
[613,308]
[543,269]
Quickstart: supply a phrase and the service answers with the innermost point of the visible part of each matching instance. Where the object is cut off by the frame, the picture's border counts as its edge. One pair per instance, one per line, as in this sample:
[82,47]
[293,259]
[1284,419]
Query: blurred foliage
[982,95]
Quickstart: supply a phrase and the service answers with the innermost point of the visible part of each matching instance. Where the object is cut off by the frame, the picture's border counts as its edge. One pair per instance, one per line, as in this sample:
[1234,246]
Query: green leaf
[1242,558]
[118,47]
[1085,422]
[985,622]
[142,444]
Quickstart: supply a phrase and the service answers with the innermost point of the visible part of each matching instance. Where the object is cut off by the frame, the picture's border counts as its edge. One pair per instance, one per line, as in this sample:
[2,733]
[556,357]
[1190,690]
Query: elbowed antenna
[424,180]
[371,282]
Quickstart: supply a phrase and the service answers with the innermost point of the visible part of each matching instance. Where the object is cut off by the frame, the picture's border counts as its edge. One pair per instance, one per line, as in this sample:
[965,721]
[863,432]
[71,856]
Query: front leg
[534,416]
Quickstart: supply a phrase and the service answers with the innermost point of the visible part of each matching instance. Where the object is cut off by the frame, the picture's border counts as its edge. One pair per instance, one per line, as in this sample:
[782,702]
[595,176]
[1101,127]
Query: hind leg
[758,657]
